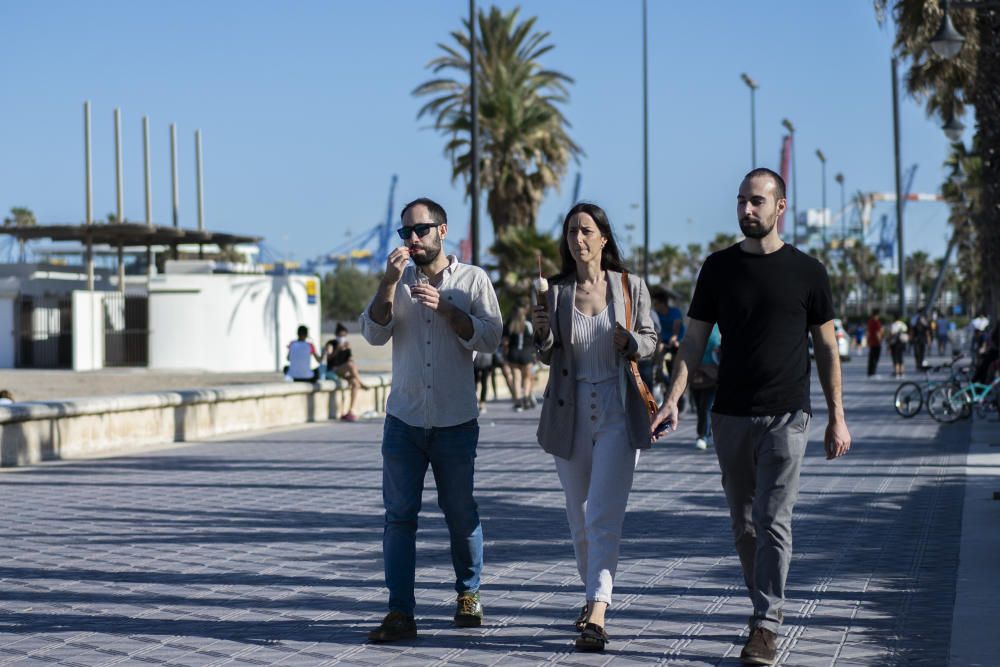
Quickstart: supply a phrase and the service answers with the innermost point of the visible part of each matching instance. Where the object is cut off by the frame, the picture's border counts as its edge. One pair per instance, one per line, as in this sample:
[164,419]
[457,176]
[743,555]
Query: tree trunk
[986,99]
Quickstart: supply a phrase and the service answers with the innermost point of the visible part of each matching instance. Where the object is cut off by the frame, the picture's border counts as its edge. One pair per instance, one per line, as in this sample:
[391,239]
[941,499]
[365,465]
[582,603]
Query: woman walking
[593,421]
[521,357]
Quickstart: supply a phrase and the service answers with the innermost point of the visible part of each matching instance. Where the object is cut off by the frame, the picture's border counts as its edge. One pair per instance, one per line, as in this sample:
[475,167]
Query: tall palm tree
[722,241]
[919,268]
[20,216]
[946,86]
[524,145]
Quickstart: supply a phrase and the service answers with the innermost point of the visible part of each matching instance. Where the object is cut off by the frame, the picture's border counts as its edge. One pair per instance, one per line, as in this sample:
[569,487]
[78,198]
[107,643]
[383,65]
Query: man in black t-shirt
[766,297]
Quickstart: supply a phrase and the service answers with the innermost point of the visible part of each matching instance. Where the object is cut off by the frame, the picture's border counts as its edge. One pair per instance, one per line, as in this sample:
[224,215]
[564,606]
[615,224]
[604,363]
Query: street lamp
[787,124]
[953,129]
[752,85]
[822,161]
[474,138]
[843,209]
[947,41]
[645,153]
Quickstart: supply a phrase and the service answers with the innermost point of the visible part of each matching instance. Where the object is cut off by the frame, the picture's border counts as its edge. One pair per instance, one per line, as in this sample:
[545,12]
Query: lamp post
[843,209]
[752,85]
[901,275]
[645,153]
[787,124]
[474,139]
[822,161]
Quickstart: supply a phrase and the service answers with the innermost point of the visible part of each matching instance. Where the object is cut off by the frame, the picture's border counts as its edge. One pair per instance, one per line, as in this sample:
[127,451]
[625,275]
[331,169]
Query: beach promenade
[266,549]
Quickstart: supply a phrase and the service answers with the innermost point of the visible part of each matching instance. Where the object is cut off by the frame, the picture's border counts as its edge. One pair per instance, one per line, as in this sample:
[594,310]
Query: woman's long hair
[518,319]
[611,259]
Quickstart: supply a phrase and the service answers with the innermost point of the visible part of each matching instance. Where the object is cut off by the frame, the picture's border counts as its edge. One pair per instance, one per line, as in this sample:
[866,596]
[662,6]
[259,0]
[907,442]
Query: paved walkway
[266,550]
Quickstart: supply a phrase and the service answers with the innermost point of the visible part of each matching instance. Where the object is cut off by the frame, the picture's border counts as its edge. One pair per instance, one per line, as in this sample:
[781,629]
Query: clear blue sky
[306,112]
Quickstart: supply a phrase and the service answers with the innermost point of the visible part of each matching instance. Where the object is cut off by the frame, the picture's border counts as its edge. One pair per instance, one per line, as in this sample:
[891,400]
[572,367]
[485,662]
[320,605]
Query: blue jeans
[451,453]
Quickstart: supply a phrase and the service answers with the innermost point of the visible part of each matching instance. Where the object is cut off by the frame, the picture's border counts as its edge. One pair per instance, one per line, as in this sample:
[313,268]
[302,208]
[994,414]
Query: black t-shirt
[764,305]
[338,358]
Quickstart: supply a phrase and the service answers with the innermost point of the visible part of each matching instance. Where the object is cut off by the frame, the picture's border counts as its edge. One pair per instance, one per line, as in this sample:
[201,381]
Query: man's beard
[757,231]
[428,256]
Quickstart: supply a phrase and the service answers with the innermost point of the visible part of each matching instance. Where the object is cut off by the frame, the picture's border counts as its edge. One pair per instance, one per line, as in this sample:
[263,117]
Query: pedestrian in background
[301,353]
[875,334]
[704,383]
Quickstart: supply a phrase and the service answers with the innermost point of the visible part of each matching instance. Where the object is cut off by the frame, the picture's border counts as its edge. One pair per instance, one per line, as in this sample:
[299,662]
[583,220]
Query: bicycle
[909,397]
[948,404]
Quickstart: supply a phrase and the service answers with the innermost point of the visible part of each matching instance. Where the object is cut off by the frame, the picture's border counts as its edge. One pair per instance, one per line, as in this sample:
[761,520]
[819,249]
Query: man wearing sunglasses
[436,311]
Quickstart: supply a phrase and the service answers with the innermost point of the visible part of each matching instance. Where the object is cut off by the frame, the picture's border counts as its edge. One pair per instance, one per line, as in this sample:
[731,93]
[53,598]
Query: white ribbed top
[593,346]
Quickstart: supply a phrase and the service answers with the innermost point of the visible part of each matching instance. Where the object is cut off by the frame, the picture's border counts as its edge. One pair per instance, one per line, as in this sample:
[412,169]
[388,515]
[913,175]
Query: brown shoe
[761,648]
[468,610]
[395,626]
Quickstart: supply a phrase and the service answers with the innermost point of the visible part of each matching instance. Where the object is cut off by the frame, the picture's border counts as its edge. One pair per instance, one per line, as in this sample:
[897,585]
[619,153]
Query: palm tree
[666,262]
[524,146]
[517,252]
[20,216]
[946,86]
[868,271]
[919,268]
[722,241]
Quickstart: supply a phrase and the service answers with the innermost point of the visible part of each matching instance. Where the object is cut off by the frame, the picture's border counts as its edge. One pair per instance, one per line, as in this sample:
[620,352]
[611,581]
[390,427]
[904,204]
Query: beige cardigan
[555,427]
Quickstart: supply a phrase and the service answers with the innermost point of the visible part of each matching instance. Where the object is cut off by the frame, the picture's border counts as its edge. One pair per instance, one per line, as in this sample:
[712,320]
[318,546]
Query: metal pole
[645,151]
[826,219]
[149,190]
[145,159]
[753,128]
[120,203]
[899,195]
[173,171]
[843,211]
[474,139]
[90,196]
[197,164]
[932,298]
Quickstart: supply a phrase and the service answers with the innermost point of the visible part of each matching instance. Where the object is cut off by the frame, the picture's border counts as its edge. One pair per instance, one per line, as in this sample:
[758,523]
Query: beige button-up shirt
[432,378]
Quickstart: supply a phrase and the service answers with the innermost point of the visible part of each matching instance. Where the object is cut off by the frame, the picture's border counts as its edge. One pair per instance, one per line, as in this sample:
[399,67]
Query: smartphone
[662,428]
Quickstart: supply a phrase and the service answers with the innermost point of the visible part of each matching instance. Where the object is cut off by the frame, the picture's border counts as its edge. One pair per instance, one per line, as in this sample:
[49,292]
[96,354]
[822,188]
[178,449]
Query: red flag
[786,158]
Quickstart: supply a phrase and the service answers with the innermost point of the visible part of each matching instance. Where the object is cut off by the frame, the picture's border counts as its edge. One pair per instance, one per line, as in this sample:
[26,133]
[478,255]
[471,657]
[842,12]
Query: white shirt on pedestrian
[300,356]
[433,385]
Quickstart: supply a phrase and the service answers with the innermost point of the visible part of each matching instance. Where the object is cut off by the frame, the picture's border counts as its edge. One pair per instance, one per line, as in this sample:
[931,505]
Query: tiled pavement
[266,550]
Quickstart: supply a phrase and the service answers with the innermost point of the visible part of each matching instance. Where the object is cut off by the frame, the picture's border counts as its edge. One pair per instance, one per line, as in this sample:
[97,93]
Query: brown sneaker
[395,626]
[761,648]
[469,610]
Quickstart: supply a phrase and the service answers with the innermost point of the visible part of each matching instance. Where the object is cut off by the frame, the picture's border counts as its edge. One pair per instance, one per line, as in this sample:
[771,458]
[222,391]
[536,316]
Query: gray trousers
[760,459]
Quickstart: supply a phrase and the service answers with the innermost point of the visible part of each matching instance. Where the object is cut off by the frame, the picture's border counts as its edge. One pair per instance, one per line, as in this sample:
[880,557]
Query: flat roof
[125,234]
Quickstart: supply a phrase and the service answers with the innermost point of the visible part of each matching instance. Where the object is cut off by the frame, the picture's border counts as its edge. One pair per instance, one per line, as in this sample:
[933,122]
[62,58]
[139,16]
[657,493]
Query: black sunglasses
[422,230]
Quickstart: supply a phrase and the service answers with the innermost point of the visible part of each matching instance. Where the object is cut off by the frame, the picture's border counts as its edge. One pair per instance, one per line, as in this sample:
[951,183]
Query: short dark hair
[435,209]
[659,294]
[302,331]
[773,175]
[340,328]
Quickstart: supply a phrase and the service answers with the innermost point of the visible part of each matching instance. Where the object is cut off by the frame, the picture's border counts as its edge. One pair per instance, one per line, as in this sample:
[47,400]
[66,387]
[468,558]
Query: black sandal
[581,620]
[593,639]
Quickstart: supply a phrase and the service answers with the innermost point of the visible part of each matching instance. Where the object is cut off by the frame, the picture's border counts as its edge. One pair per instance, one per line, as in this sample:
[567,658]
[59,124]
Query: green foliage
[346,292]
[517,250]
[524,146]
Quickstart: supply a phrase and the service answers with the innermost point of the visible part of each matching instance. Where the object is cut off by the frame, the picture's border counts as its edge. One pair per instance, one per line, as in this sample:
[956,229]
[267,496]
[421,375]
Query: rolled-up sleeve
[373,332]
[487,325]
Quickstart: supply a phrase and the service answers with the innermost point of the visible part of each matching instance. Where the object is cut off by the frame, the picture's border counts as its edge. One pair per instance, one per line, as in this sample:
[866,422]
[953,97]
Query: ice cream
[541,286]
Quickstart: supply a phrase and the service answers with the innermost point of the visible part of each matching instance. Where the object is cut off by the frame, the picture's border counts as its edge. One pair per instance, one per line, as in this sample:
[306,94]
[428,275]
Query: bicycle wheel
[946,405]
[908,400]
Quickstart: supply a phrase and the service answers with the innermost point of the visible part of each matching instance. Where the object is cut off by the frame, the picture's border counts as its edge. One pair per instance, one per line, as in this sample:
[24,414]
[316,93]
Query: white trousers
[597,479]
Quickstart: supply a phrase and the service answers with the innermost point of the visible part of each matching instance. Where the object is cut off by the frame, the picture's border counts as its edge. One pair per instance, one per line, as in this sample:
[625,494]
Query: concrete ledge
[77,428]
